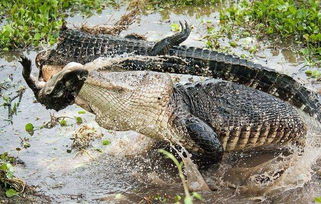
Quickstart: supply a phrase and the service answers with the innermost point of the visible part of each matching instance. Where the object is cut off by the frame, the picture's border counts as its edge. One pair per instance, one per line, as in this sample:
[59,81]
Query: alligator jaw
[60,90]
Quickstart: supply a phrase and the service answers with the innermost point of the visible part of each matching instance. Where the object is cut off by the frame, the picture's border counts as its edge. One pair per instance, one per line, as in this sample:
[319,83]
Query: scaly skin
[206,118]
[279,85]
[82,47]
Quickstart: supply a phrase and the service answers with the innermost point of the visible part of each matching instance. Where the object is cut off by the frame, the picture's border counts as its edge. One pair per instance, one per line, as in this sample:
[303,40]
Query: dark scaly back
[253,75]
[201,62]
[78,46]
[241,116]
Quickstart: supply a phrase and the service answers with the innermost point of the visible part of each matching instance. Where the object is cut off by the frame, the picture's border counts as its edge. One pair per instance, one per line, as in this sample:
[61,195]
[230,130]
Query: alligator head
[61,89]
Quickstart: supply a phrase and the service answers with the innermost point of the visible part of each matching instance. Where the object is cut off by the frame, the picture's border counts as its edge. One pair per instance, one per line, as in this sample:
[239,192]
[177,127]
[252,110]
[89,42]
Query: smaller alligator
[77,46]
[206,118]
[82,47]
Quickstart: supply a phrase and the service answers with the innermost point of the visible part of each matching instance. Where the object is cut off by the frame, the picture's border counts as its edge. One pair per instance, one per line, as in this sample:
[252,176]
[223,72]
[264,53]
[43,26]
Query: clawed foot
[32,82]
[185,32]
[162,47]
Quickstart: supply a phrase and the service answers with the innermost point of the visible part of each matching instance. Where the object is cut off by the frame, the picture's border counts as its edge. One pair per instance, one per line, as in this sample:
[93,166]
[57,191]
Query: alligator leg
[31,81]
[162,47]
[203,136]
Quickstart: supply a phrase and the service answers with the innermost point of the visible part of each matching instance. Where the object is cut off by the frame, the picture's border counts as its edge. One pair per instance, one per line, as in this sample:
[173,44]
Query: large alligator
[207,118]
[77,46]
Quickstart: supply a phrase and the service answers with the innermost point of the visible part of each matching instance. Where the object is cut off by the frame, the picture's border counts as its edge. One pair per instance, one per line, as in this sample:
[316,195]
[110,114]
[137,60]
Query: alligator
[77,46]
[83,47]
[207,118]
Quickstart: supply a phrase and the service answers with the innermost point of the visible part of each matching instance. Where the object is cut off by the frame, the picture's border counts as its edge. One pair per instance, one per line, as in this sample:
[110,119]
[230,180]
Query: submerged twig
[180,171]
[122,24]
[54,121]
[12,110]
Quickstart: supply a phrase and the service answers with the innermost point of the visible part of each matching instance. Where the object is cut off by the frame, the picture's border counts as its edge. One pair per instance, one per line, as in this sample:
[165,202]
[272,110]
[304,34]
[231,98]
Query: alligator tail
[219,65]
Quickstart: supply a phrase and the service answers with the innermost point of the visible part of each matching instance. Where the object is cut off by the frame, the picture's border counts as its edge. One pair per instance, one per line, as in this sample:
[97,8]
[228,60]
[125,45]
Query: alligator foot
[31,81]
[162,47]
[210,149]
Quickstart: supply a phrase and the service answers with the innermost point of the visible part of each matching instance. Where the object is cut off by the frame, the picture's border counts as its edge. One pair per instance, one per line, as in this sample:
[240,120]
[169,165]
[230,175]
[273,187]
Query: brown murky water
[120,172]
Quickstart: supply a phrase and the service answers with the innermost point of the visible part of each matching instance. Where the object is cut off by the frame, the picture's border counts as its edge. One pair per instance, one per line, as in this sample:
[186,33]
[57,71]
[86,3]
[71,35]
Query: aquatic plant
[30,128]
[188,197]
[35,22]
[106,142]
[8,181]
[12,104]
[298,22]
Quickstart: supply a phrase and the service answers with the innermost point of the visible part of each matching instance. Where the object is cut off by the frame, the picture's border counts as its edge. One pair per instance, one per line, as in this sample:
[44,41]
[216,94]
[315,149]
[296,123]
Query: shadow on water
[117,172]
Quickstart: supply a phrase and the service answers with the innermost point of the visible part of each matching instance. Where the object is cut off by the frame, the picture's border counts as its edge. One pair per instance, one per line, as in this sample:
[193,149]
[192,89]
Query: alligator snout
[60,90]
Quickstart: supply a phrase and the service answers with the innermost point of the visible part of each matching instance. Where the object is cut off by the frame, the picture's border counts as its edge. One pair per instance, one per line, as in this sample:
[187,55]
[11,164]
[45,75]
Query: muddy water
[121,172]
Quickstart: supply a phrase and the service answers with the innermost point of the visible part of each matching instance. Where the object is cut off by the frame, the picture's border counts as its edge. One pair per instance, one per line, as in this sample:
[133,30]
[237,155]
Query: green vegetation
[5,157]
[78,120]
[81,112]
[317,199]
[35,22]
[63,122]
[177,198]
[188,197]
[8,181]
[175,27]
[11,192]
[299,20]
[169,3]
[106,142]
[294,22]
[29,128]
[313,73]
